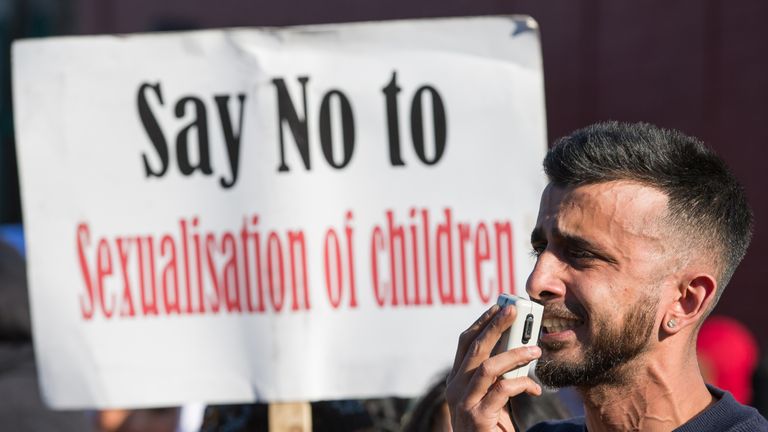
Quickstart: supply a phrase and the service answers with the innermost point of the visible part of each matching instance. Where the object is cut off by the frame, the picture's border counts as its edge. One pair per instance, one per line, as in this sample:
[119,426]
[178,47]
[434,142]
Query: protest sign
[273,214]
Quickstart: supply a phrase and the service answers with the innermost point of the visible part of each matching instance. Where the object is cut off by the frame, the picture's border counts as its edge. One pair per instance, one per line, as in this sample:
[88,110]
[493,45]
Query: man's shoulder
[575,424]
[726,415]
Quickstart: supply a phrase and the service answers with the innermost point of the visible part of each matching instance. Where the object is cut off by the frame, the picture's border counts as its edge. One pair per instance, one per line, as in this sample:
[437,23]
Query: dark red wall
[699,66]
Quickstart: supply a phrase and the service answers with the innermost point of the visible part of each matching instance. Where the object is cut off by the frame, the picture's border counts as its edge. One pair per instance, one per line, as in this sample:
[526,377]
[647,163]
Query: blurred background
[700,66]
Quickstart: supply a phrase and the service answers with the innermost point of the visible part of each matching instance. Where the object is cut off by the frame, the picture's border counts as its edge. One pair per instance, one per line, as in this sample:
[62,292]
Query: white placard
[283,214]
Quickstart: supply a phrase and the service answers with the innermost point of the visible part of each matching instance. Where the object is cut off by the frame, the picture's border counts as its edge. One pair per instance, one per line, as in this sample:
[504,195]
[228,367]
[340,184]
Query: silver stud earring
[672,323]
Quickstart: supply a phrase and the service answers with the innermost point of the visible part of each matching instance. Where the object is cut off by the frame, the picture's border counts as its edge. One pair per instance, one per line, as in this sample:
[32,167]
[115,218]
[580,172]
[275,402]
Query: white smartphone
[523,332]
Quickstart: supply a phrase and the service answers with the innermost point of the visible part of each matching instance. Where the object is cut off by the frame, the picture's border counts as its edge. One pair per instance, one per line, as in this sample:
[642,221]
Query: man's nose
[546,281]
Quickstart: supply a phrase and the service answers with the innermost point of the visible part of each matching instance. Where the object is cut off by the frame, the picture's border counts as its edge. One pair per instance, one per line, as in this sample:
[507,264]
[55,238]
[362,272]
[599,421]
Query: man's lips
[560,319]
[559,324]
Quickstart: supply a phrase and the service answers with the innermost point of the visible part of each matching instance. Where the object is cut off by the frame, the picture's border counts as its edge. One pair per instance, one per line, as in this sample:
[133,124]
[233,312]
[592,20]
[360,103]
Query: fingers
[487,375]
[476,396]
[480,348]
[469,335]
[499,393]
[480,405]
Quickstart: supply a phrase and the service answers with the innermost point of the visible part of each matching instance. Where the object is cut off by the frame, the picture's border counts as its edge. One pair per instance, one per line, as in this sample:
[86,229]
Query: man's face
[602,261]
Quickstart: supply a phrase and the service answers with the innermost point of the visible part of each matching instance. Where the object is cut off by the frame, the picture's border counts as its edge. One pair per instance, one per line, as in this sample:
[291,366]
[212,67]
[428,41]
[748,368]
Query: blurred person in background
[728,356]
[21,405]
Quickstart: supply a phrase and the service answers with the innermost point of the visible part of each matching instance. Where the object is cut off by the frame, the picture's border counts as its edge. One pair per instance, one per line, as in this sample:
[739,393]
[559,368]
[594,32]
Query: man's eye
[581,254]
[537,250]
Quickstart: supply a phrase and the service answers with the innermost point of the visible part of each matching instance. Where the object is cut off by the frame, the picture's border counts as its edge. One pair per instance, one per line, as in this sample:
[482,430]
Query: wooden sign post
[290,417]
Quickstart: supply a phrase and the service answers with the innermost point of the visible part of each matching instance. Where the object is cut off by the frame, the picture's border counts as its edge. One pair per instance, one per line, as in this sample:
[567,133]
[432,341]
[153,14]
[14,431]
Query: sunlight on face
[602,258]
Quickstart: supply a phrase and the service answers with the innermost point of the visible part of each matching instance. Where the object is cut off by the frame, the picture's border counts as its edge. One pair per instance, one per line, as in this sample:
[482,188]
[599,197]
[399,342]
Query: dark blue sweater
[725,415]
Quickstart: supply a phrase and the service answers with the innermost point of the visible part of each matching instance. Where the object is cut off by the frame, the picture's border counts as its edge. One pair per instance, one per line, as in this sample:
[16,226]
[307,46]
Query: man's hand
[476,394]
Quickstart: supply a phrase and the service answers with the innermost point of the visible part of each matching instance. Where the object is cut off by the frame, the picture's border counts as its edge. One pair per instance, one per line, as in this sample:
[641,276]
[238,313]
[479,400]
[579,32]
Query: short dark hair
[705,199]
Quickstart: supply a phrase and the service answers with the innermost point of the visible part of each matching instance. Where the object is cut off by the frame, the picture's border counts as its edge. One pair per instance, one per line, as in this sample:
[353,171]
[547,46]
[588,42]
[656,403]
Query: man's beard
[609,349]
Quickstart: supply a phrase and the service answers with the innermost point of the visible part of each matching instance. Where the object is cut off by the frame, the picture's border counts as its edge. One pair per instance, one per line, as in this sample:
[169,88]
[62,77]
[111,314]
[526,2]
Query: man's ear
[695,297]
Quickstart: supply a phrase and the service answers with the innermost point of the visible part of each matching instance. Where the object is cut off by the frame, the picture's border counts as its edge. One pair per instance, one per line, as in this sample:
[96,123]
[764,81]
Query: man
[638,232]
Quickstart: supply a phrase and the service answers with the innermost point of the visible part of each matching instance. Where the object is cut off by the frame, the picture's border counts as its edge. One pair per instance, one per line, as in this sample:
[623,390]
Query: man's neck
[653,395]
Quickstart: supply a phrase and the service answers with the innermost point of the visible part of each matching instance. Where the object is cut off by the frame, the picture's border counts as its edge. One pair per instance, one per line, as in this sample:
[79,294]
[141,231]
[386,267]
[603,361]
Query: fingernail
[534,351]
